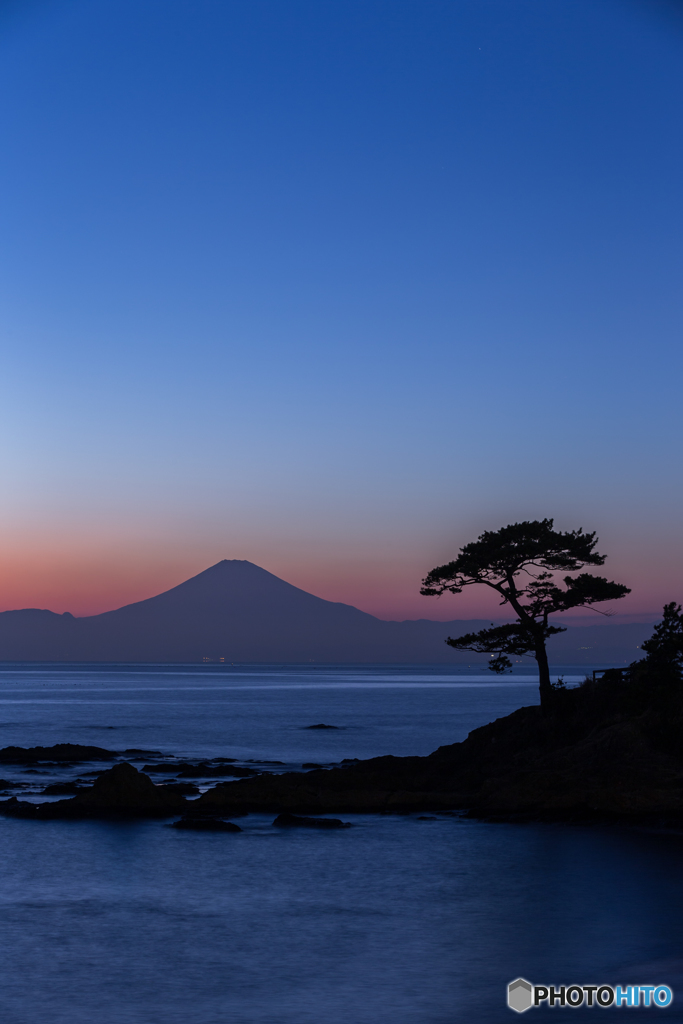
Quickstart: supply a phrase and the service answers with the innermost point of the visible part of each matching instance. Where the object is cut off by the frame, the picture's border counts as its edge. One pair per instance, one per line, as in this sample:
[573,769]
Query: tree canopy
[521,562]
[664,649]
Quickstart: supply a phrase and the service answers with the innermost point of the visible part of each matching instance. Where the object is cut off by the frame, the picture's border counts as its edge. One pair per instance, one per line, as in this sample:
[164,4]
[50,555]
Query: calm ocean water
[395,921]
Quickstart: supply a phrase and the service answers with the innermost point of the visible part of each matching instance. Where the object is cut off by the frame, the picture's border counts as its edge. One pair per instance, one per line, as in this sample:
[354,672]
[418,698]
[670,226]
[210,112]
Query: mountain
[237,612]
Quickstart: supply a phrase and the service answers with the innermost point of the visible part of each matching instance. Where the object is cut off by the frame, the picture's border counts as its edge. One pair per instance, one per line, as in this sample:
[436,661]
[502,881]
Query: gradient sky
[335,285]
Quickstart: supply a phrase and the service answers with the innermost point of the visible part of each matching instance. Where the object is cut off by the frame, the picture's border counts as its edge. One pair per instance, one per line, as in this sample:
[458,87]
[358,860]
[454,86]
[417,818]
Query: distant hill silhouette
[237,612]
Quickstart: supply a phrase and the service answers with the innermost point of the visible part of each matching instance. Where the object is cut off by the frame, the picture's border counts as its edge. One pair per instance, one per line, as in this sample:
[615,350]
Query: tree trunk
[544,685]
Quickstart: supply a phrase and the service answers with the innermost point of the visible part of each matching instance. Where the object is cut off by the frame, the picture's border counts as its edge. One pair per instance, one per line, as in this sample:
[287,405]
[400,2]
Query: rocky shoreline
[606,751]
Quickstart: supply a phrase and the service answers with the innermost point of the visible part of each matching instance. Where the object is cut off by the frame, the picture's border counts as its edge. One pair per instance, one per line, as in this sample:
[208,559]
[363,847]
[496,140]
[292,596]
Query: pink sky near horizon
[89,578]
[339,324]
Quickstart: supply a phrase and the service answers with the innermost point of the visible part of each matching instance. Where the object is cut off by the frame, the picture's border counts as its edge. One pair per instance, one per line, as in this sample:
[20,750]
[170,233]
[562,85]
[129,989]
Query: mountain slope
[238,612]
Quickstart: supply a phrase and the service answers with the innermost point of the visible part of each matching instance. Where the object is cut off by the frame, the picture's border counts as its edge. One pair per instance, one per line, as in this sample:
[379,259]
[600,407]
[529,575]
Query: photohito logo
[522,995]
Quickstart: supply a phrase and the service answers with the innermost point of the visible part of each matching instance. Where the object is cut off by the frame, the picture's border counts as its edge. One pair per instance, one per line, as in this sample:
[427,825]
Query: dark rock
[60,752]
[126,790]
[183,788]
[14,807]
[294,821]
[381,784]
[62,789]
[607,750]
[611,750]
[192,810]
[202,771]
[321,726]
[311,764]
[122,791]
[206,825]
[427,817]
[219,767]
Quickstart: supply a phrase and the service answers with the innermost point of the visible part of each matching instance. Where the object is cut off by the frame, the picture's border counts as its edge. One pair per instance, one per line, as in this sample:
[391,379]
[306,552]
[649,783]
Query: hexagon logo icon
[520,995]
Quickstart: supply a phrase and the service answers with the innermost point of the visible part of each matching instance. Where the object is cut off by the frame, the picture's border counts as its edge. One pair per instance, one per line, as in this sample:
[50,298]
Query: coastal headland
[607,750]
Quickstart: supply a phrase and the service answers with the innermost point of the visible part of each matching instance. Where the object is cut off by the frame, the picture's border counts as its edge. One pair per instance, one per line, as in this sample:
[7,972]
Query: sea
[400,919]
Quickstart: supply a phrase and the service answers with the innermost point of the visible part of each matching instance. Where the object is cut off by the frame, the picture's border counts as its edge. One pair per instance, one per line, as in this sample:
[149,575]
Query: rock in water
[183,788]
[321,725]
[59,752]
[62,789]
[122,791]
[204,770]
[206,825]
[295,821]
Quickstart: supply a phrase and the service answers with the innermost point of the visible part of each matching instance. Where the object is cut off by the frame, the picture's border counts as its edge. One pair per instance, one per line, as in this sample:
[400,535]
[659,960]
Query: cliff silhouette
[236,611]
[608,750]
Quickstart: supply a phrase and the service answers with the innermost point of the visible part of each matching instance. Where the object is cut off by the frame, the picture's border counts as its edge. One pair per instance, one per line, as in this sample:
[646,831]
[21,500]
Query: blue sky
[335,286]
